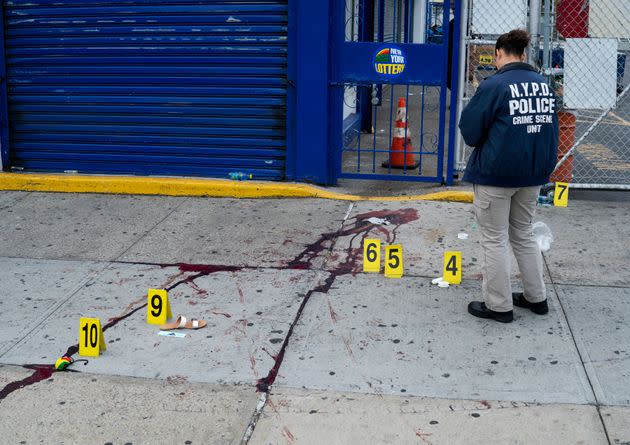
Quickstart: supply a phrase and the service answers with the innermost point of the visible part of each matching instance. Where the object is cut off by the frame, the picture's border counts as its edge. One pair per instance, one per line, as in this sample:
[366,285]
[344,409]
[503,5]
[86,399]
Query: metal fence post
[454,95]
[534,30]
[546,37]
[461,82]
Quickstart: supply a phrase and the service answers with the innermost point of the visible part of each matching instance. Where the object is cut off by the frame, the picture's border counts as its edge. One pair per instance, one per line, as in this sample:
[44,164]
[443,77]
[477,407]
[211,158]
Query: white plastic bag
[543,235]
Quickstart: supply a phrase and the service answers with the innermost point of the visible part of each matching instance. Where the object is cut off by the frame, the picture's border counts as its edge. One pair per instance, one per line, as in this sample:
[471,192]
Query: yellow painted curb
[134,185]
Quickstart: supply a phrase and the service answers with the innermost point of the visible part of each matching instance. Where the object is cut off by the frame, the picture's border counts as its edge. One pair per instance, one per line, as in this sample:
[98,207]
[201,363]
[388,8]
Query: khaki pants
[506,214]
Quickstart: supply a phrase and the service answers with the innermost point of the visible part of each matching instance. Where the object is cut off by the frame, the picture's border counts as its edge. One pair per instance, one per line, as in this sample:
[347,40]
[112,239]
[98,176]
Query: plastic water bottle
[545,201]
[239,176]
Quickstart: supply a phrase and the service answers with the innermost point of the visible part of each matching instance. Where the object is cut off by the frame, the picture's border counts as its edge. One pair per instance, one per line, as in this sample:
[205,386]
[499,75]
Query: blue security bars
[368,151]
[371,111]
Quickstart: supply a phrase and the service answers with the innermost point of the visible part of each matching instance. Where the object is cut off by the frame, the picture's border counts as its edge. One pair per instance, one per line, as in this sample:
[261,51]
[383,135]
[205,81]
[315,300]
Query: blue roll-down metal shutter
[149,87]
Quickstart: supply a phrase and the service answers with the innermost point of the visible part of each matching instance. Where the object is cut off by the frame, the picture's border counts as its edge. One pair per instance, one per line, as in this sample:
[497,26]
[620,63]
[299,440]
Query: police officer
[512,123]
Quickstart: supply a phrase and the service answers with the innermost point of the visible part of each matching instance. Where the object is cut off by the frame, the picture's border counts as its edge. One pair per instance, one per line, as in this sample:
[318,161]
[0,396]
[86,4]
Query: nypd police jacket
[512,123]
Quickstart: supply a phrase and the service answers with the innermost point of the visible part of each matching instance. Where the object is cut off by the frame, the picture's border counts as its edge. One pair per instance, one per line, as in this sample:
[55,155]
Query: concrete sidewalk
[301,346]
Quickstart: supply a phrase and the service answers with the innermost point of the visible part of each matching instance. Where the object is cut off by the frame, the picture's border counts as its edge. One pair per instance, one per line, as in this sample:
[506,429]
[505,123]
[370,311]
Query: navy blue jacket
[512,123]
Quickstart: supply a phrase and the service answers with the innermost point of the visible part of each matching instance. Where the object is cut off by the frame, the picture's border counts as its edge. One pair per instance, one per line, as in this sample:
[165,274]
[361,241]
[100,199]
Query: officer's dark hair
[513,42]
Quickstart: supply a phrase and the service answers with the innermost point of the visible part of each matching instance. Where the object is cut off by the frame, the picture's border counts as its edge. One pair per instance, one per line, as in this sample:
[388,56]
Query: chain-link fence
[483,22]
[581,46]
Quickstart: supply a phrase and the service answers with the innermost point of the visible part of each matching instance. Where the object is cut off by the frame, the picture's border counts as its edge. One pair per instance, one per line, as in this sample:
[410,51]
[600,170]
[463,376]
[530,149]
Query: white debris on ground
[440,282]
[378,221]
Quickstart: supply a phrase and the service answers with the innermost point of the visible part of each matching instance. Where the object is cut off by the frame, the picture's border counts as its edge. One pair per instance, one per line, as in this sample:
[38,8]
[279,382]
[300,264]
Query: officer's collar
[516,66]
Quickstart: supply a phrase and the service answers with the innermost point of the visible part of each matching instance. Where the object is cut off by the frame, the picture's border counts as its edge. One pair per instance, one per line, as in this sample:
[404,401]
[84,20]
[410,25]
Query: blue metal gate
[166,87]
[375,70]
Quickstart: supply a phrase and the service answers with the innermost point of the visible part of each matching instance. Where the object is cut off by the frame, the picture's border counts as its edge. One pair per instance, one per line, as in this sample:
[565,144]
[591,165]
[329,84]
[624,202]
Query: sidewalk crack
[598,404]
[359,229]
[173,210]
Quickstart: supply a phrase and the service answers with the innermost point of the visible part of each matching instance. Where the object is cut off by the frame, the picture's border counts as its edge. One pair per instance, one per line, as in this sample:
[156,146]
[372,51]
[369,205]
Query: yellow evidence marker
[452,267]
[561,194]
[158,307]
[394,261]
[91,340]
[372,255]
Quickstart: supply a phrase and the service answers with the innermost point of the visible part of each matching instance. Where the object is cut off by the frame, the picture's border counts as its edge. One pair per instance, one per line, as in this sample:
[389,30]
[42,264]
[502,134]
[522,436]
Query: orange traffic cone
[401,155]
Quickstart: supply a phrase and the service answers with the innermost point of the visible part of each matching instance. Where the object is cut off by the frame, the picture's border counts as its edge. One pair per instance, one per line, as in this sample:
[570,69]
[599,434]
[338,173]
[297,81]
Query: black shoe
[479,309]
[540,308]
